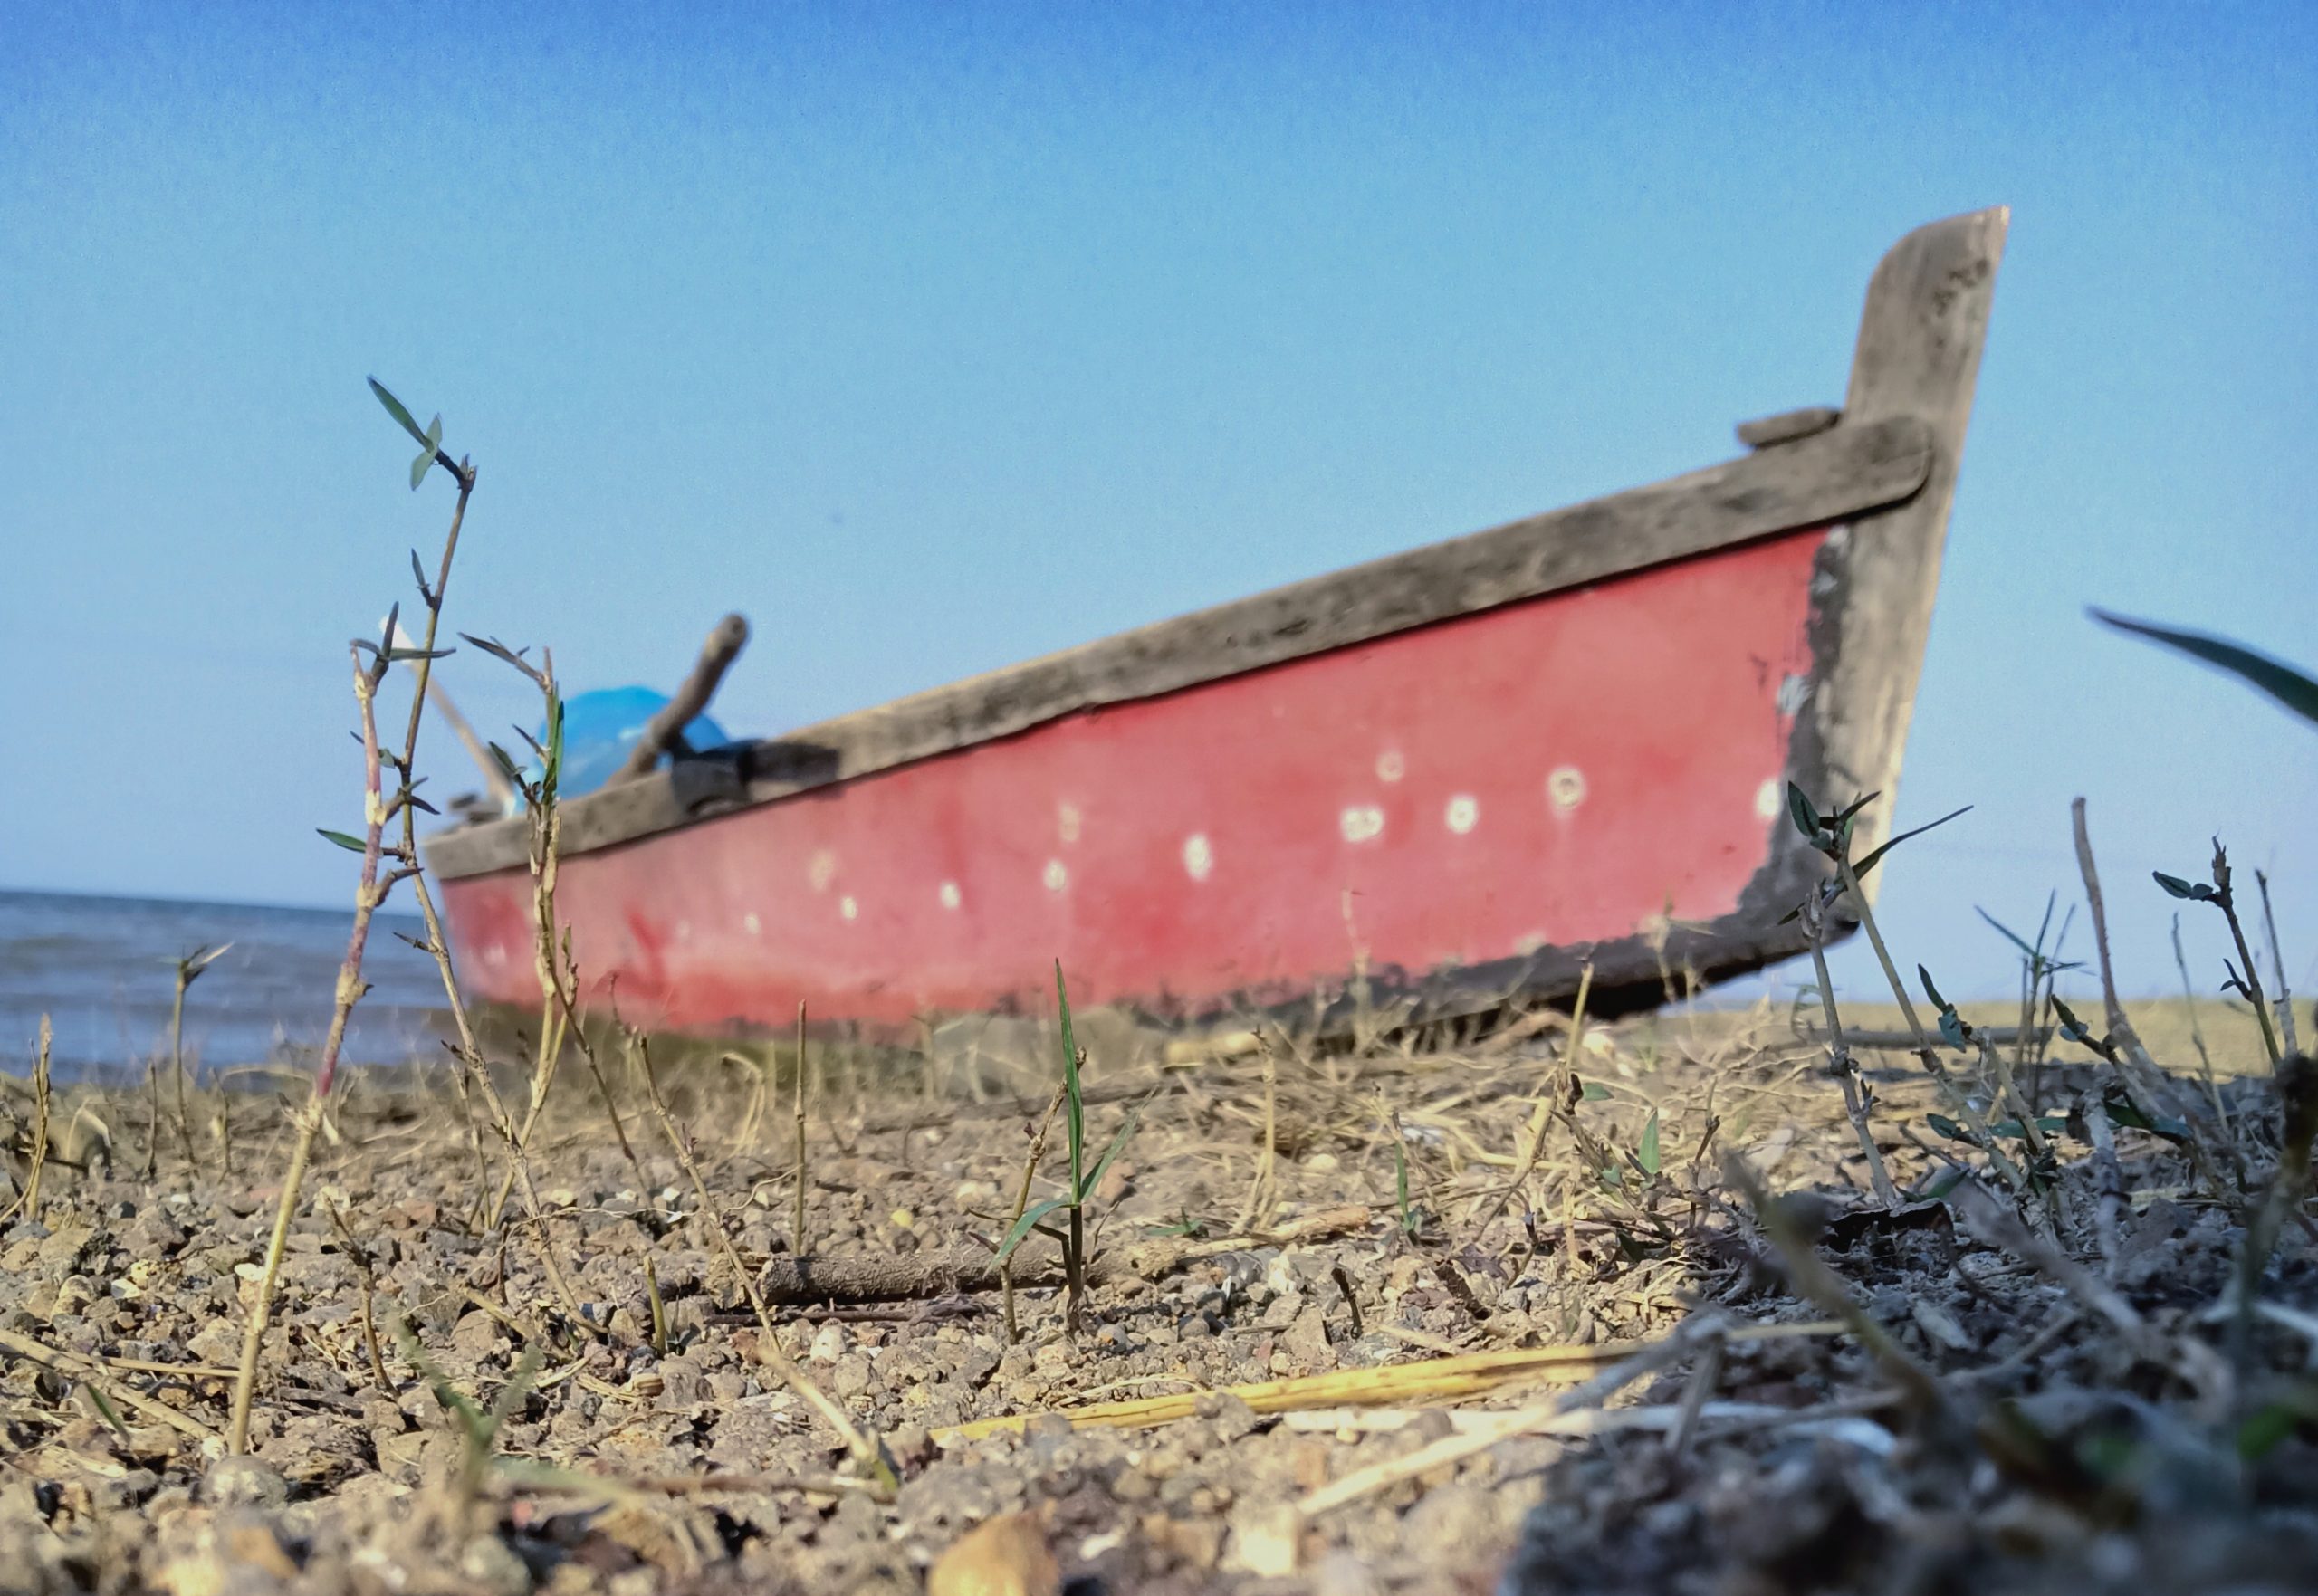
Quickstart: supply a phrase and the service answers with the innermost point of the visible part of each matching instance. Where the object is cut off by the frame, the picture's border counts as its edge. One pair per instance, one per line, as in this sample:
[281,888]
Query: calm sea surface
[104,970]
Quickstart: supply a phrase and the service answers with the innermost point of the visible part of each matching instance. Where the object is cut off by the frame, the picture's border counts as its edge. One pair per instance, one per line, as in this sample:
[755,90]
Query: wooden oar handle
[665,729]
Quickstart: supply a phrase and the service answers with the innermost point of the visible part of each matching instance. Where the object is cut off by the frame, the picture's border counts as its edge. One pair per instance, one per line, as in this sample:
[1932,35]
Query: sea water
[103,971]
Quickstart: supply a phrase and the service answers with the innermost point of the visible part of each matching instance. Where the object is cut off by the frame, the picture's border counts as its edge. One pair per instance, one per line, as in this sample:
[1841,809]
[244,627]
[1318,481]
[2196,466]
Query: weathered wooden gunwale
[1839,472]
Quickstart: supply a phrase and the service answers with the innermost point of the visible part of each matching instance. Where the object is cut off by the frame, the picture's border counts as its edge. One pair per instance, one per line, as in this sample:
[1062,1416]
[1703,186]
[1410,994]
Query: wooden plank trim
[1788,426]
[1840,472]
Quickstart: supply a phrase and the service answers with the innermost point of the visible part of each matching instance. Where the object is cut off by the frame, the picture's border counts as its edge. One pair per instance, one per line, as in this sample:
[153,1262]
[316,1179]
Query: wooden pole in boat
[666,728]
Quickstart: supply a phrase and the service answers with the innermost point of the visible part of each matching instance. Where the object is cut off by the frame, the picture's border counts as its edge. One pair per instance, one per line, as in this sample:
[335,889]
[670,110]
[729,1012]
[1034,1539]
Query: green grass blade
[1860,869]
[1076,1107]
[1103,1164]
[2282,682]
[1023,1226]
[1647,1155]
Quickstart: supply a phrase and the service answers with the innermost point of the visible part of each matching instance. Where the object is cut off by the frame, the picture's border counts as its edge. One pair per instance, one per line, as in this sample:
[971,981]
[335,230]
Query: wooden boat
[1445,780]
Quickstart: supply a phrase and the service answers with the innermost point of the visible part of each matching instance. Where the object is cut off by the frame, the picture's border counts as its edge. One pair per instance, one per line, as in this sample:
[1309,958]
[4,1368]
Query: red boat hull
[1570,770]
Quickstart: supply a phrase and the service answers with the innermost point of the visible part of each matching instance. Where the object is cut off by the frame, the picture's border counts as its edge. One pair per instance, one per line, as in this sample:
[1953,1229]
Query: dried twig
[867,1451]
[1021,1202]
[28,1194]
[86,1369]
[1362,1482]
[797,1113]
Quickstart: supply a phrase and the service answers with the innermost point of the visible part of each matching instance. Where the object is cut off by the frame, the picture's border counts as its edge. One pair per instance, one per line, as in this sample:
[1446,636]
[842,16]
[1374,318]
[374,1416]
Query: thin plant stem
[2284,998]
[1960,1099]
[185,973]
[368,894]
[2227,903]
[1021,1202]
[2196,1030]
[867,1451]
[2136,1070]
[1858,1099]
[359,1256]
[28,1196]
[1548,1103]
[797,1118]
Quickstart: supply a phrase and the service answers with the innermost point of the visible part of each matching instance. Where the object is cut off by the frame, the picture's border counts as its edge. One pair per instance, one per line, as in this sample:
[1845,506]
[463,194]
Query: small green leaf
[352,844]
[2265,1429]
[1952,1029]
[1023,1226]
[395,408]
[1103,1164]
[2071,1028]
[1595,1092]
[1930,991]
[1947,1128]
[2175,887]
[1850,811]
[2124,1112]
[1948,1181]
[499,651]
[2027,951]
[1804,813]
[1860,869]
[551,757]
[2282,682]
[419,468]
[1647,1155]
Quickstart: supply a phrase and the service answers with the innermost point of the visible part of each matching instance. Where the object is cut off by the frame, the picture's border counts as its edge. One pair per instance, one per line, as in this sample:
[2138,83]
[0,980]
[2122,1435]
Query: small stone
[1307,1342]
[475,1334]
[234,1554]
[243,1482]
[493,1566]
[1231,1416]
[828,1343]
[1448,1521]
[1344,1574]
[1007,1556]
[1266,1540]
[851,1376]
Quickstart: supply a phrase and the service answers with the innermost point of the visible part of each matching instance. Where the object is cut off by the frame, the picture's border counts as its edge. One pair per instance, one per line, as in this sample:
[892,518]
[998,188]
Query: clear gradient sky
[937,337]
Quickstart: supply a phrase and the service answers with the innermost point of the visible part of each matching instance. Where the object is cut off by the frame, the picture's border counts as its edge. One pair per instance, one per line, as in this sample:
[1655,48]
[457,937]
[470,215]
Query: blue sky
[938,337]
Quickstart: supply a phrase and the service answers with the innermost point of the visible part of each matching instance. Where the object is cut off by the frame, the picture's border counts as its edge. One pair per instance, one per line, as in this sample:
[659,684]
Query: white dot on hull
[1566,787]
[1390,766]
[1056,876]
[1199,857]
[1766,800]
[1464,813]
[1362,823]
[849,908]
[950,897]
[752,924]
[821,869]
